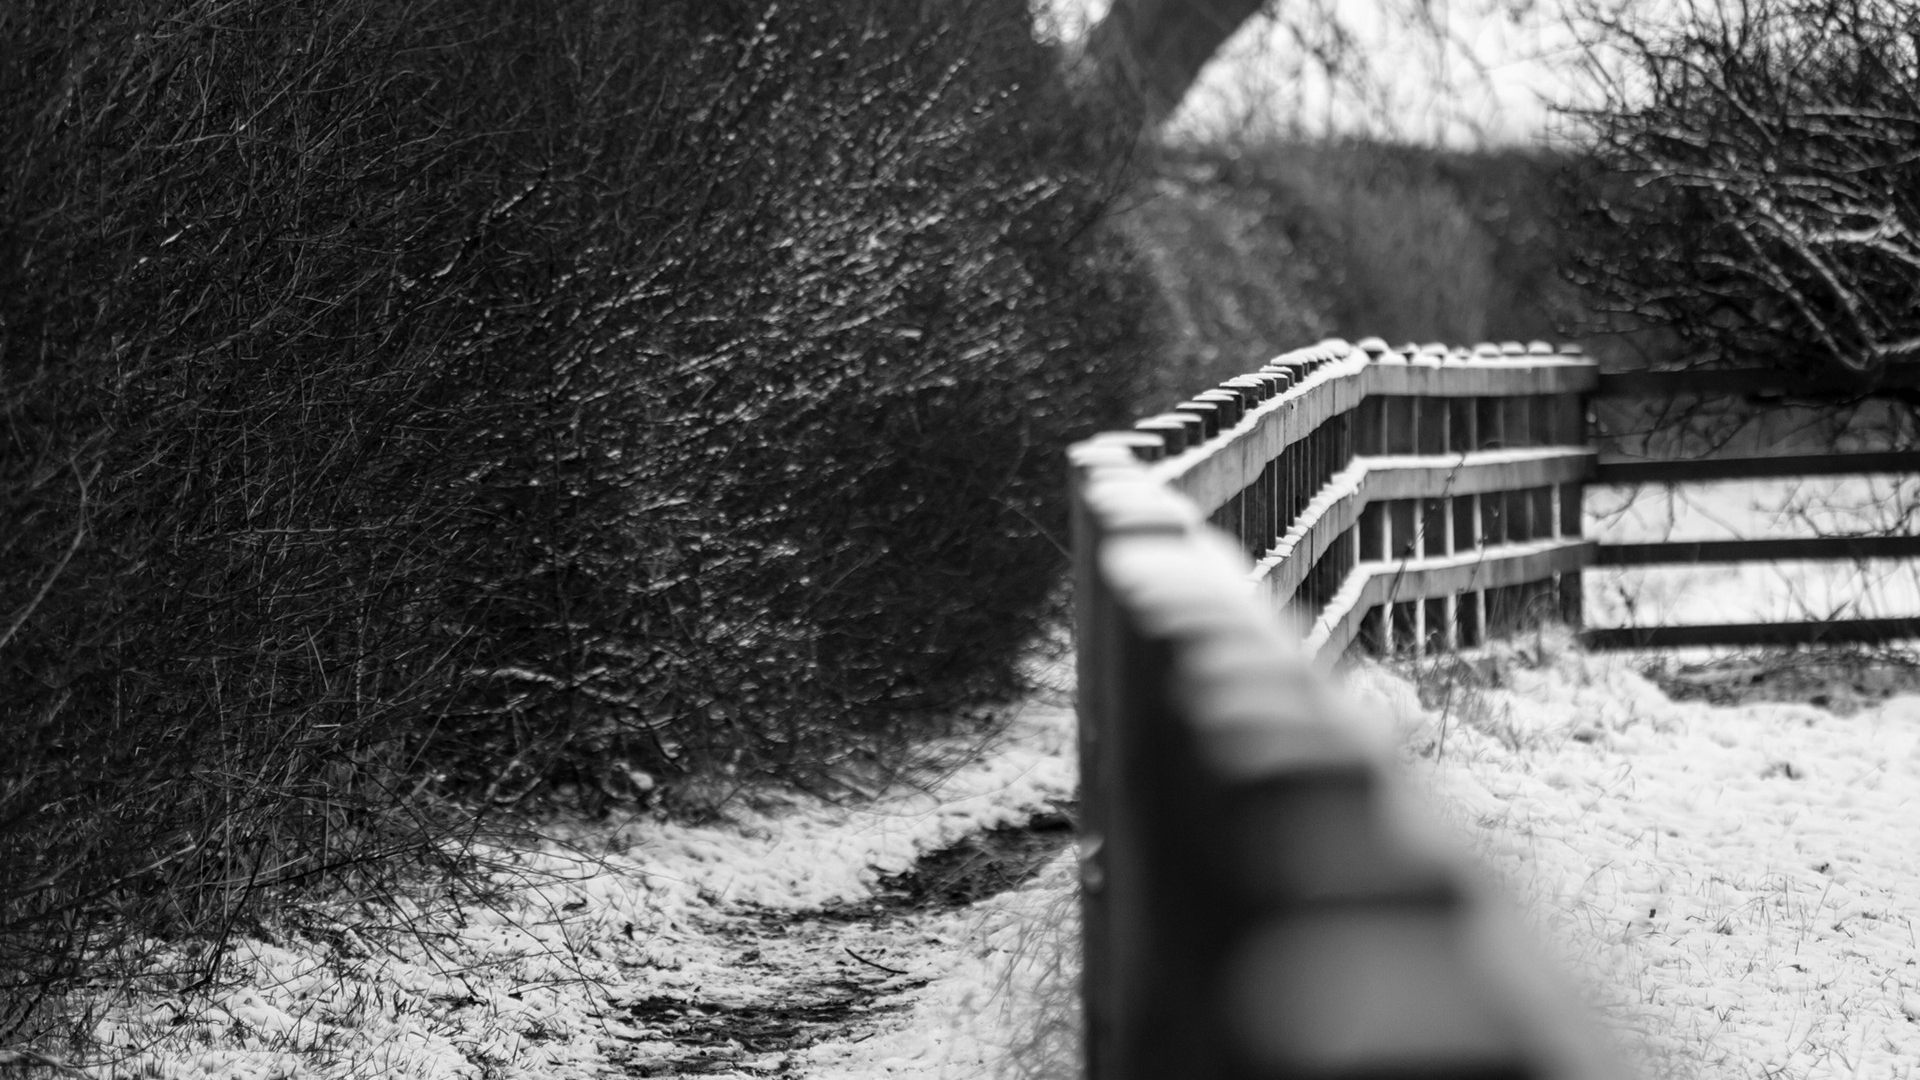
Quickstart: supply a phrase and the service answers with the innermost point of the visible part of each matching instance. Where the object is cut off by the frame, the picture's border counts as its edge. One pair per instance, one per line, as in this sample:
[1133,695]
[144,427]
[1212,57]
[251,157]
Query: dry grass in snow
[752,947]
[1740,884]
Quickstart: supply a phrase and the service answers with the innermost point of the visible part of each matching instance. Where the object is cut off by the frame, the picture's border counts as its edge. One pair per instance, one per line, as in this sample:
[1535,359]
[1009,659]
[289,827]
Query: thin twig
[79,537]
[872,964]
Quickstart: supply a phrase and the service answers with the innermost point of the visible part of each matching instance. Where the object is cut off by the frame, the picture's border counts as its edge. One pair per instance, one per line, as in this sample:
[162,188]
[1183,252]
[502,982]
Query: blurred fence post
[1253,907]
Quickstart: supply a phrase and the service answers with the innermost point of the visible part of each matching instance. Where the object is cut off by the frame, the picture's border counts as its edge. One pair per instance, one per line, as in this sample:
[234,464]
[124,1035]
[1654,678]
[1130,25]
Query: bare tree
[1758,178]
[1402,69]
[1152,50]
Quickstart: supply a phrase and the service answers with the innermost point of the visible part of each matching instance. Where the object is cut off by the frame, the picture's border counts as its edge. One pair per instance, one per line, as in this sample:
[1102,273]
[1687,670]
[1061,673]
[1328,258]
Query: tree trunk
[1152,50]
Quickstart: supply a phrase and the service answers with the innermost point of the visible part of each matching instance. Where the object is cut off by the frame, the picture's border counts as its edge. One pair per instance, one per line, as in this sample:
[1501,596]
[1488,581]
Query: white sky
[1462,72]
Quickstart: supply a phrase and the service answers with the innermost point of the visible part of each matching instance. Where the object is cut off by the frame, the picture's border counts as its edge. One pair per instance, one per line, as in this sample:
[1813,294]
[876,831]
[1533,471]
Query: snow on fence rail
[1401,501]
[1409,501]
[1254,905]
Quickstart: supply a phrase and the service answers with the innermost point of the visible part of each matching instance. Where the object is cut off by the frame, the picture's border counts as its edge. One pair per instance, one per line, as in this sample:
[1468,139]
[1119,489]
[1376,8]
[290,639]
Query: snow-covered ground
[1739,885]
[647,948]
[1754,592]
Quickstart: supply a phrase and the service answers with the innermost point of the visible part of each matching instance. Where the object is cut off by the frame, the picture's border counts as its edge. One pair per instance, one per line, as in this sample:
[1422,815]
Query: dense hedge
[409,404]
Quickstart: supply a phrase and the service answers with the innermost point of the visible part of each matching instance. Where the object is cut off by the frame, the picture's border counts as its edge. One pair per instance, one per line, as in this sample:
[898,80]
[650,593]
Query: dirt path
[831,974]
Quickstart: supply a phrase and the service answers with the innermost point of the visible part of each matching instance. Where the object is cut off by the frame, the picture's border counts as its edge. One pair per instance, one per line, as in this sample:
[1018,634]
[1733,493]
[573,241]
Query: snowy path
[651,949]
[1743,883]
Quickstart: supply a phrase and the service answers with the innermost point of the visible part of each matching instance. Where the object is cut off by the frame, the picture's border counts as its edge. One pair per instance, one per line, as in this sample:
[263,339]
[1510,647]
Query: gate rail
[1763,388]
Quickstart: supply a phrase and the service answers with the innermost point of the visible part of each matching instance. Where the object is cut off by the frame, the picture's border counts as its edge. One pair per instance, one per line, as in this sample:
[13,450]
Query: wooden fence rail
[1422,499]
[1253,906]
[1253,909]
[1708,470]
[1398,500]
[1767,388]
[1829,385]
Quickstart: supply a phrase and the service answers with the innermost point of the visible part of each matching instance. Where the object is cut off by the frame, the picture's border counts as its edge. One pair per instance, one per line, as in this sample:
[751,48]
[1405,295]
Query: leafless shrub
[409,405]
[1754,187]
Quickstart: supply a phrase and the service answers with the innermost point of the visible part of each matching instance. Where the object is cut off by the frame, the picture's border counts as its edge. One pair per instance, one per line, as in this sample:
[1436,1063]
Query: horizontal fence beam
[1337,507]
[1228,463]
[1618,471]
[1373,584]
[1220,468]
[1757,382]
[1802,632]
[1326,519]
[1673,552]
[1255,900]
[1444,475]
[1500,376]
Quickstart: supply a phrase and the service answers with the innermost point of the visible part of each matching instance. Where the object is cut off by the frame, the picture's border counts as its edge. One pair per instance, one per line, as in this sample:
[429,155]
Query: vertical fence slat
[1466,522]
[1374,534]
[1461,430]
[1434,636]
[1404,629]
[1370,427]
[1433,413]
[1516,425]
[1433,527]
[1469,618]
[1404,531]
[1488,423]
[1402,418]
[1175,915]
[1544,412]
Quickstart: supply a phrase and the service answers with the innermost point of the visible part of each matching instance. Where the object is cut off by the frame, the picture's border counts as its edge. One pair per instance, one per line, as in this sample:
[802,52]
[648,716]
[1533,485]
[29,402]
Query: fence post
[1115,668]
[1403,424]
[1488,424]
[1094,648]
[1461,434]
[1370,430]
[1572,500]
[1440,538]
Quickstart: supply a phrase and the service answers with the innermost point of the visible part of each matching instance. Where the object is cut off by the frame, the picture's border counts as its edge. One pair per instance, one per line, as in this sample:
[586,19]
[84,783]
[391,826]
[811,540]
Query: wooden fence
[1762,389]
[1254,905]
[1411,502]
[1399,501]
